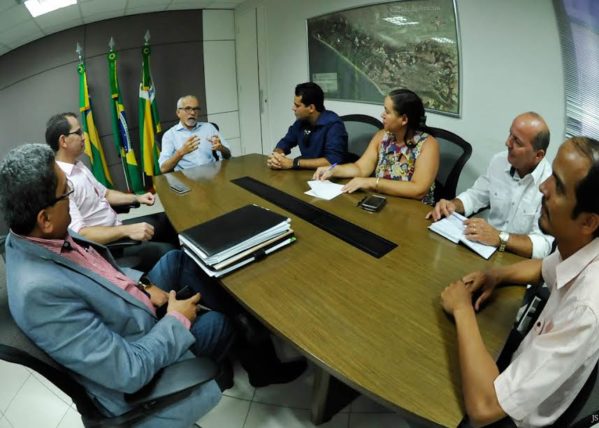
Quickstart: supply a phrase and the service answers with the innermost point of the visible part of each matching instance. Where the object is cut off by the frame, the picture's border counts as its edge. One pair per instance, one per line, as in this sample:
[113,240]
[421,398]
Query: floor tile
[49,409]
[266,416]
[230,413]
[379,420]
[72,419]
[13,377]
[53,388]
[363,404]
[242,388]
[296,394]
[4,423]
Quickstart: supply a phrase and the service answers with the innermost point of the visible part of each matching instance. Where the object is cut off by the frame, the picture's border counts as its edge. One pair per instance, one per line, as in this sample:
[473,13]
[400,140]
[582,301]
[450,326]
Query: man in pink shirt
[90,204]
[556,357]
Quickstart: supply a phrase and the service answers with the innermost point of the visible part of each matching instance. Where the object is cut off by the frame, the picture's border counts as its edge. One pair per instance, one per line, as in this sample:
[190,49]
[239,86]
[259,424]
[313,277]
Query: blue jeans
[213,331]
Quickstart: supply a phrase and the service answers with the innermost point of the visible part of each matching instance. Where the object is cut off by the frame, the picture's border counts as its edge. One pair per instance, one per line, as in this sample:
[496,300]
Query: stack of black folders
[236,238]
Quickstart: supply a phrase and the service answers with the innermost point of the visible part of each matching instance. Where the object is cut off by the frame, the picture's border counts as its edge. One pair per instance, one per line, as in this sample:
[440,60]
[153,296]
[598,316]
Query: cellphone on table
[373,203]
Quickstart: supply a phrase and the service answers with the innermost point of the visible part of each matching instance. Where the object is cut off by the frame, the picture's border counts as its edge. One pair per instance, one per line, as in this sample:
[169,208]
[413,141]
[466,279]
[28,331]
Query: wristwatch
[296,164]
[144,282]
[503,238]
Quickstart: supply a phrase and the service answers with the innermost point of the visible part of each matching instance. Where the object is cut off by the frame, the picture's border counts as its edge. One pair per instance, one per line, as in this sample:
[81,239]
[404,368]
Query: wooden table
[375,324]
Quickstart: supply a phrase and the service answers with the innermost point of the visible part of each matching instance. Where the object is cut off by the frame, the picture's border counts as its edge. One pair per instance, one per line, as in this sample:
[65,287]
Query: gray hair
[27,185]
[180,100]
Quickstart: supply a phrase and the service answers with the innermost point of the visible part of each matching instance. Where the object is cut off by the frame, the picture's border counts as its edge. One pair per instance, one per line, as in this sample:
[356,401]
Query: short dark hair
[541,140]
[311,93]
[56,126]
[27,185]
[586,189]
[409,103]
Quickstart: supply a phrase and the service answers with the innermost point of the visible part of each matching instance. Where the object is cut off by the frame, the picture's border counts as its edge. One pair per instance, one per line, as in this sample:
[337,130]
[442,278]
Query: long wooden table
[375,324]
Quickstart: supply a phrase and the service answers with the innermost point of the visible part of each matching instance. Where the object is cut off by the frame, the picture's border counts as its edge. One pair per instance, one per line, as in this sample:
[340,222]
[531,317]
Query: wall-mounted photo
[361,54]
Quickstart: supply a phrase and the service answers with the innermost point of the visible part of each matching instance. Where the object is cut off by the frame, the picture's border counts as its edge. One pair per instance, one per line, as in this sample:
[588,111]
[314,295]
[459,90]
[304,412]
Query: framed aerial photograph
[361,54]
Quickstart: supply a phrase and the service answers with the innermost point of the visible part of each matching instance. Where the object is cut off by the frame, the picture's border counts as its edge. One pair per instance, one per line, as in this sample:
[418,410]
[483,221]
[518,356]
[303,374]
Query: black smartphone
[373,203]
[183,294]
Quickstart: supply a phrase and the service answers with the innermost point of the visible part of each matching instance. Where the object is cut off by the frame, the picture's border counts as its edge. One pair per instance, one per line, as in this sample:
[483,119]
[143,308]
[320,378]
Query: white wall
[220,74]
[511,63]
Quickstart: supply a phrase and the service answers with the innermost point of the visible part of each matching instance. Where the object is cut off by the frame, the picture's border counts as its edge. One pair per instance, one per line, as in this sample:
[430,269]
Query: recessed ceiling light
[40,7]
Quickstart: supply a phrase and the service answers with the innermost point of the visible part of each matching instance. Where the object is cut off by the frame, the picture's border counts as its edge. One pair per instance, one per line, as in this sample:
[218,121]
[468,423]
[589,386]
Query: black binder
[233,228]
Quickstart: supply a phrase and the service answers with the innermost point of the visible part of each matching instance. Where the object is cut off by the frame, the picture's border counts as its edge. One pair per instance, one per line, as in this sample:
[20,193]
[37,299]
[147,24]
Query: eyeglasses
[190,110]
[78,132]
[65,195]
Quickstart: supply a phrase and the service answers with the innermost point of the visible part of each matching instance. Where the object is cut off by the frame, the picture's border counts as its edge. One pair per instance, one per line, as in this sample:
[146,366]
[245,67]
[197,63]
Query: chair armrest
[122,243]
[123,209]
[178,377]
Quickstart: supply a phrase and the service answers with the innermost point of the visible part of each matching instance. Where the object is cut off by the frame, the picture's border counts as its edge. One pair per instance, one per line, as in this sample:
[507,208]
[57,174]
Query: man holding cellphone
[70,298]
[191,143]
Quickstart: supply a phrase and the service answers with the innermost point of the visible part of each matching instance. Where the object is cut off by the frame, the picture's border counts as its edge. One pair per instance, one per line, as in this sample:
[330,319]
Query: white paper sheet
[324,189]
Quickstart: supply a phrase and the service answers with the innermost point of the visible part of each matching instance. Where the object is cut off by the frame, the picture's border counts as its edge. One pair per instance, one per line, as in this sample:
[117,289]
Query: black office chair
[170,385]
[360,129]
[454,152]
[214,155]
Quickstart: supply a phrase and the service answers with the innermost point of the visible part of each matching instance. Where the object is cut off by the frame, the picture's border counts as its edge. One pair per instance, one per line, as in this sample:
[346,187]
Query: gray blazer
[109,339]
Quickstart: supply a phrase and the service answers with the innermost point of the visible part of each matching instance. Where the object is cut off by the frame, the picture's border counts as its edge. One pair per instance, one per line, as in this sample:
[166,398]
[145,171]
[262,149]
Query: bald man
[510,188]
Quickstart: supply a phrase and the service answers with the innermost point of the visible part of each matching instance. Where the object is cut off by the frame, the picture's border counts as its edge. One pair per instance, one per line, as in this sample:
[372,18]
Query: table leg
[329,396]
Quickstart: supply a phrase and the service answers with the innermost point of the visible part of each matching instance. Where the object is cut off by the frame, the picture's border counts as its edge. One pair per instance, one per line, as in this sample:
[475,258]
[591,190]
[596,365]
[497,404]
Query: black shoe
[224,379]
[278,373]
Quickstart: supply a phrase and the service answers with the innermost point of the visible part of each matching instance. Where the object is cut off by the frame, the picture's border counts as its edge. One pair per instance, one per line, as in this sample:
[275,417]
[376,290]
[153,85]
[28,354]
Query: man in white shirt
[558,354]
[191,143]
[90,205]
[510,189]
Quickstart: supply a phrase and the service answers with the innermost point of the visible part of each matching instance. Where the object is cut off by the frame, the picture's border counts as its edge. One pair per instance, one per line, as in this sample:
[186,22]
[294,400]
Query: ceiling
[17,27]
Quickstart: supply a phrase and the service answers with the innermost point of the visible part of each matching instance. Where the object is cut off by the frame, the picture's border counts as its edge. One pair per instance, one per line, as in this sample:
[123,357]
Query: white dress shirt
[88,205]
[176,136]
[557,356]
[514,202]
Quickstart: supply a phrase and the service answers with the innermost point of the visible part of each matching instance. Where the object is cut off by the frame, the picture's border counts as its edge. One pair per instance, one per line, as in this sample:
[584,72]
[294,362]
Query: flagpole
[146,43]
[120,150]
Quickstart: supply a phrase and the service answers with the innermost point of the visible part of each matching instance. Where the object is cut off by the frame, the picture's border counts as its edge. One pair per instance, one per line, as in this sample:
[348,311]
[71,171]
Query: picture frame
[362,53]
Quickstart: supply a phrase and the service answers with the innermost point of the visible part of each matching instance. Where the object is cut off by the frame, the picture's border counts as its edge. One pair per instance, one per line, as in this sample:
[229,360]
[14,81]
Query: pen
[328,169]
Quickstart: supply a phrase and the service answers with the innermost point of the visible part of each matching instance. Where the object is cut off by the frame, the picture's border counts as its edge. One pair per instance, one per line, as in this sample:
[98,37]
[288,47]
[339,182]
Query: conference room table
[375,324]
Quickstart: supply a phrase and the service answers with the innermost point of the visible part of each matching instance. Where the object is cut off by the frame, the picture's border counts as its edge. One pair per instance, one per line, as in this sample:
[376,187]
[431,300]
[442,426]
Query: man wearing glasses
[71,299]
[191,143]
[91,204]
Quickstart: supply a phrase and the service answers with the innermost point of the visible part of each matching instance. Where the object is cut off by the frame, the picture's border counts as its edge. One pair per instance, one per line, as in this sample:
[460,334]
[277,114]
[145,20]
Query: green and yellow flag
[120,130]
[93,145]
[149,122]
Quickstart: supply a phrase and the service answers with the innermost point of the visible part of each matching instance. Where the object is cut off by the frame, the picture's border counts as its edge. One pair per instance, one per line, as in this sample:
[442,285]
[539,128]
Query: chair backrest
[17,348]
[454,152]
[360,129]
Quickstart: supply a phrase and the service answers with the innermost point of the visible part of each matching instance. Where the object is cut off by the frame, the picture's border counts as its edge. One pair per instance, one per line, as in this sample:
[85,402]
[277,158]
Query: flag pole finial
[79,51]
[147,37]
[111,43]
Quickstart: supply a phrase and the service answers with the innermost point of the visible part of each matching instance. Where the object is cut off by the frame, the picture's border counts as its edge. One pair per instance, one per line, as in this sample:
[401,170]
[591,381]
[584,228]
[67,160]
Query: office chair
[454,152]
[170,385]
[360,129]
[214,155]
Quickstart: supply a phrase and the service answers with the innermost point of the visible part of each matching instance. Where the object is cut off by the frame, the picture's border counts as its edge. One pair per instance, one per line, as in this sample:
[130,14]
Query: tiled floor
[28,400]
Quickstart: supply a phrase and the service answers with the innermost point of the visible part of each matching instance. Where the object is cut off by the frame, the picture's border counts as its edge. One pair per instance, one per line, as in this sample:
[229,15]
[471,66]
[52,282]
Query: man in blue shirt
[319,133]
[191,143]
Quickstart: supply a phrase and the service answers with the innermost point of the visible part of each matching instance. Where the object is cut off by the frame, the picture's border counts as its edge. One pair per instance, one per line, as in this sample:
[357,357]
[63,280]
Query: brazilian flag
[93,146]
[120,130]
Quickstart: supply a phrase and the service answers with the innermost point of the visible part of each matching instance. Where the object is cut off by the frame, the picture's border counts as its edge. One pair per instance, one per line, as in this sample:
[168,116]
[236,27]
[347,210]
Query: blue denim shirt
[328,138]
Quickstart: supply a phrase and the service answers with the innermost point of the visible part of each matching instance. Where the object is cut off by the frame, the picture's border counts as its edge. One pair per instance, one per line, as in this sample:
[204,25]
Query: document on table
[324,189]
[452,228]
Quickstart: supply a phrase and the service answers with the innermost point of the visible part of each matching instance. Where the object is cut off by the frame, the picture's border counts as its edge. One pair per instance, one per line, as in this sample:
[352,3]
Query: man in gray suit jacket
[74,302]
